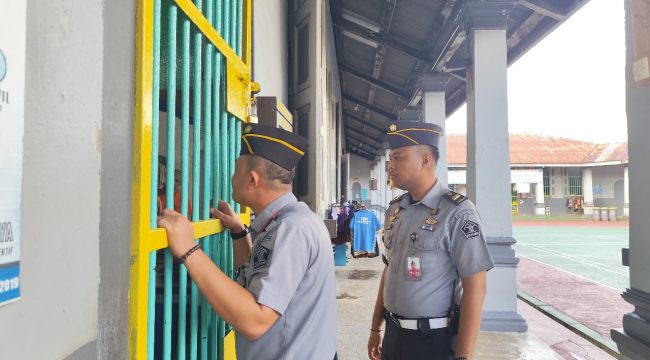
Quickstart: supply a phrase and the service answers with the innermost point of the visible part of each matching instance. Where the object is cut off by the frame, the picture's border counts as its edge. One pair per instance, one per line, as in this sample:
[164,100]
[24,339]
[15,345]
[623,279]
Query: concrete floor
[357,285]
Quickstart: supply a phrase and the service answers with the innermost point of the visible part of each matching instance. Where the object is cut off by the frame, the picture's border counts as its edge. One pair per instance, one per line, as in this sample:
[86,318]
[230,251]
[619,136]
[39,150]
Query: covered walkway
[545,339]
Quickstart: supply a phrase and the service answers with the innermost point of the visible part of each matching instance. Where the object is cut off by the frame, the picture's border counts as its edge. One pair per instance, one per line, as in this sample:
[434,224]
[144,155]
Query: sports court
[588,249]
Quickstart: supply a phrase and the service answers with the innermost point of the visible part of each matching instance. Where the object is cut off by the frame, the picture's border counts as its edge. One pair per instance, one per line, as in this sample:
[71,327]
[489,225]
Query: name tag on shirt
[428,227]
[413,268]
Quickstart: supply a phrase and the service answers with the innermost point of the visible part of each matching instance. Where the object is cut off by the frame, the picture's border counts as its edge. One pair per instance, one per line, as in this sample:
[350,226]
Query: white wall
[320,94]
[58,311]
[359,172]
[270,48]
[604,178]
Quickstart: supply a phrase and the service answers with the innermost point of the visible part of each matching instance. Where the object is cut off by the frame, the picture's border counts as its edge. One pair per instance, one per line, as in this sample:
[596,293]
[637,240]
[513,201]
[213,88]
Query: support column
[488,162]
[540,206]
[588,191]
[634,340]
[626,192]
[434,112]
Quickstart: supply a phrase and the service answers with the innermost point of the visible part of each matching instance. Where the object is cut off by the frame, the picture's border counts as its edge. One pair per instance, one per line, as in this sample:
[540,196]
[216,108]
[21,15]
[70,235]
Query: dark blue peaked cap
[407,133]
[276,145]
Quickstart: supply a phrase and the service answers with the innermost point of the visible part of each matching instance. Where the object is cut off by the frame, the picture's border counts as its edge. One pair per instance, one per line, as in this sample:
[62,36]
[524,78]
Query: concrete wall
[58,312]
[318,98]
[116,177]
[527,206]
[271,48]
[604,180]
[359,173]
[76,185]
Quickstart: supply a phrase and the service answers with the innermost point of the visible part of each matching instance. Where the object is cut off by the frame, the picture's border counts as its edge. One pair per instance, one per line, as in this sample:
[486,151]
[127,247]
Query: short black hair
[270,170]
[433,151]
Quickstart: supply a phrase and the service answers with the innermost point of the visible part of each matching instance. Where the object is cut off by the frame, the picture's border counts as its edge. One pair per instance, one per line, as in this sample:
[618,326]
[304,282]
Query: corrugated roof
[384,47]
[528,149]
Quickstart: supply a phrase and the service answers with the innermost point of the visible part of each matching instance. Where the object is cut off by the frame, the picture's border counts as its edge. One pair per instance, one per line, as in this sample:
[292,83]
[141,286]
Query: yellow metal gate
[192,93]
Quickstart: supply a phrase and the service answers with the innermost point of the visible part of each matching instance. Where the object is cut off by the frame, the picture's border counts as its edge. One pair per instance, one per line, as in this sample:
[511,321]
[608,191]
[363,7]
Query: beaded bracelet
[376,330]
[188,253]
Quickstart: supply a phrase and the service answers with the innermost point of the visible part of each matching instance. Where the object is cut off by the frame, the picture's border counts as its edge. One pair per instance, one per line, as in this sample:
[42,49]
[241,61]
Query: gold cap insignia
[392,127]
[248,129]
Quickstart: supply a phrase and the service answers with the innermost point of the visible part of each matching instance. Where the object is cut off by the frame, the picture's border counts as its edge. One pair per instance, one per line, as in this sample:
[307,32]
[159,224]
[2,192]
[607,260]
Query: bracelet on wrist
[241,234]
[188,253]
[376,330]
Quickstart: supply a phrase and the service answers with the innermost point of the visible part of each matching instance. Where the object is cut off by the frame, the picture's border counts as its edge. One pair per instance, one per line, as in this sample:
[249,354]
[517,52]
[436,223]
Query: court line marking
[570,273]
[577,259]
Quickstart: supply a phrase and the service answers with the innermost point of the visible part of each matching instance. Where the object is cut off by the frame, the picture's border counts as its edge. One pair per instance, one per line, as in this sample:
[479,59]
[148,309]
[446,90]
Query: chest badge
[393,216]
[431,221]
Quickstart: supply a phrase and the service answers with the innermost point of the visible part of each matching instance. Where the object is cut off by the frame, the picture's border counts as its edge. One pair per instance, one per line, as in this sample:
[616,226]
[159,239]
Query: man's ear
[427,159]
[254,179]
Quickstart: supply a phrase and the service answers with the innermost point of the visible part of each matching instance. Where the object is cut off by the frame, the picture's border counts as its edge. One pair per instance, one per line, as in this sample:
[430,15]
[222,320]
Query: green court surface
[590,252]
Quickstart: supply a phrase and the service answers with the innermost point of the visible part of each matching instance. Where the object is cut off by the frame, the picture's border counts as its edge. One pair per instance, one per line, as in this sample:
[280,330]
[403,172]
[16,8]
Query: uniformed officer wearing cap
[284,306]
[433,239]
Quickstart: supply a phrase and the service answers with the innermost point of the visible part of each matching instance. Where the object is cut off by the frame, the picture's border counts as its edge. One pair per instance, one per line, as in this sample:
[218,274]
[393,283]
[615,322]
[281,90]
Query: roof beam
[355,31]
[374,82]
[372,141]
[362,144]
[363,122]
[363,103]
[380,52]
[545,9]
[364,154]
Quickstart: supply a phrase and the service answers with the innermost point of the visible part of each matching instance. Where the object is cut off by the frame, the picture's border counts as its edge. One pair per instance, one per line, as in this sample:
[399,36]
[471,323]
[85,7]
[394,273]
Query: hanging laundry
[364,226]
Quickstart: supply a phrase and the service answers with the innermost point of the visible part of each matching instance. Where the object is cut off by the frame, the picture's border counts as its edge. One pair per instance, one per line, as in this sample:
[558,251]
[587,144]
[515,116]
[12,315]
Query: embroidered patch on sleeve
[471,229]
[261,257]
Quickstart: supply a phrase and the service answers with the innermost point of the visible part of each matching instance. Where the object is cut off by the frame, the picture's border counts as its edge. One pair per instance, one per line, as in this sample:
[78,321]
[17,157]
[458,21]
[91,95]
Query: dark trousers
[403,344]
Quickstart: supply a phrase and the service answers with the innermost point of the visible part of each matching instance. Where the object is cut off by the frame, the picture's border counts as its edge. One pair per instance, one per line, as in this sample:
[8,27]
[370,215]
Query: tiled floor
[357,285]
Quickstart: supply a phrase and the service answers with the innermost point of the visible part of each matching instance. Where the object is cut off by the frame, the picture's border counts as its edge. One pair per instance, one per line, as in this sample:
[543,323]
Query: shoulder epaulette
[455,197]
[397,199]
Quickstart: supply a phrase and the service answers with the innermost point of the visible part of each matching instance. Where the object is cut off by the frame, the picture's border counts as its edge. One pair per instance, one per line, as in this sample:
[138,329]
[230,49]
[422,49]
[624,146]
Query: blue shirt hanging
[364,224]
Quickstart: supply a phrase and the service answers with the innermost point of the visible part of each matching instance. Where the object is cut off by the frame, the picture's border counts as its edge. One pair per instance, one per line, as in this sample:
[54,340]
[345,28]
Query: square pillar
[488,158]
[588,191]
[540,206]
[634,340]
[435,112]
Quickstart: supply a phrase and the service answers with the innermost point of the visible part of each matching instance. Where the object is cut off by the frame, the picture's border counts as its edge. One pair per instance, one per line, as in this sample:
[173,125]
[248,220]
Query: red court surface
[596,306]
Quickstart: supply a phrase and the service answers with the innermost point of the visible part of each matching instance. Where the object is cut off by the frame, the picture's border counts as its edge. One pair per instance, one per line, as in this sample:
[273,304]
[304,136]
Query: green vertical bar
[207,143]
[153,205]
[238,44]
[171,164]
[196,170]
[214,239]
[217,160]
[185,114]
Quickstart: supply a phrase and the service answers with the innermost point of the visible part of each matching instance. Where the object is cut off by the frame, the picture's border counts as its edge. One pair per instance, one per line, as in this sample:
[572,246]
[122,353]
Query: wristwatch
[241,234]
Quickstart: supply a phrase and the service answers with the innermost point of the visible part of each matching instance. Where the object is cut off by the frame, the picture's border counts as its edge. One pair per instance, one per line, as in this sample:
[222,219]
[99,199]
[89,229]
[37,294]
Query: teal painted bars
[198,81]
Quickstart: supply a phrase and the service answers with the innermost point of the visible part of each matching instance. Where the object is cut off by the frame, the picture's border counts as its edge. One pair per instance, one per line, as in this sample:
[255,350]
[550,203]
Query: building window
[547,182]
[573,180]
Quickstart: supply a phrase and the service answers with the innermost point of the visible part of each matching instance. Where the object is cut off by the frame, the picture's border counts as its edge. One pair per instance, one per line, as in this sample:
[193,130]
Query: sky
[572,83]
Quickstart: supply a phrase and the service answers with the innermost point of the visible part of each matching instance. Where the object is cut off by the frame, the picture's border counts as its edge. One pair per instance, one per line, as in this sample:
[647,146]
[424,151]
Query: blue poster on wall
[12,93]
